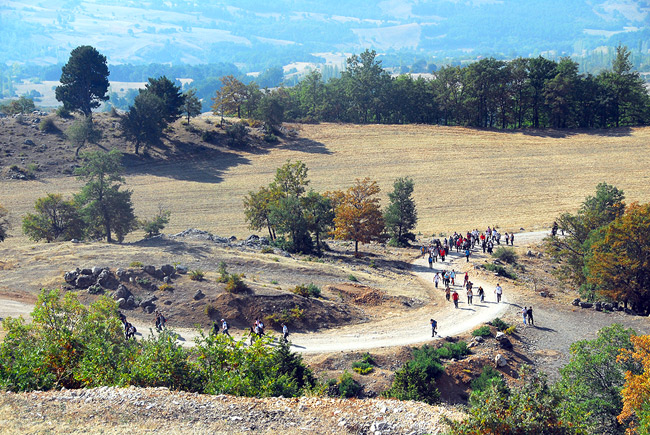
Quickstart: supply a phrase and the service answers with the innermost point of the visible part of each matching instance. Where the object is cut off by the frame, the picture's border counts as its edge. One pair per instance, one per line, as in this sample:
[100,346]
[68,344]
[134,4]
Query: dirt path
[393,330]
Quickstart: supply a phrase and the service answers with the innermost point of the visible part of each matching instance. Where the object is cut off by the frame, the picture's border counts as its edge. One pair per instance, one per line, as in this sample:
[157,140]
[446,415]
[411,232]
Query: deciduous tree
[636,391]
[55,219]
[230,98]
[358,216]
[84,80]
[82,131]
[191,105]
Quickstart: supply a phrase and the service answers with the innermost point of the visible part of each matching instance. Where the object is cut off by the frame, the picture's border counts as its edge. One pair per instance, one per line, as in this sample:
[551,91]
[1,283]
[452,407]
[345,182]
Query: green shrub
[267,250]
[500,324]
[347,386]
[143,281]
[223,272]
[153,226]
[166,287]
[507,255]
[285,316]
[270,138]
[483,331]
[511,330]
[352,278]
[488,377]
[236,132]
[453,350]
[196,275]
[47,125]
[365,365]
[274,281]
[210,310]
[235,284]
[500,270]
[95,289]
[62,112]
[208,136]
[310,290]
[135,264]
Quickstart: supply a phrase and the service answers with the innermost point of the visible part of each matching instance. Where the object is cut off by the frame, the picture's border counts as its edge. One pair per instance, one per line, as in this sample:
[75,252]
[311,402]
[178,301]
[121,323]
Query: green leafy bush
[135,264]
[235,284]
[507,255]
[352,278]
[143,281]
[488,378]
[196,275]
[500,270]
[453,350]
[153,226]
[166,287]
[347,386]
[310,290]
[483,331]
[267,250]
[500,324]
[365,365]
[286,316]
[47,125]
[210,310]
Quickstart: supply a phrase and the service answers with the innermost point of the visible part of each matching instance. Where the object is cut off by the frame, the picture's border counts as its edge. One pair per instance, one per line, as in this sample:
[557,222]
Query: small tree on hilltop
[105,208]
[400,216]
[170,95]
[54,219]
[144,122]
[153,226]
[84,80]
[82,131]
[191,105]
[358,216]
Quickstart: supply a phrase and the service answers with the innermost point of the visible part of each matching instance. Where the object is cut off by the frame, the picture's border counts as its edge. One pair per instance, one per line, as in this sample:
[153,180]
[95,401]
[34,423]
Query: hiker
[524,313]
[434,325]
[467,252]
[470,295]
[260,327]
[454,296]
[452,276]
[529,313]
[466,279]
[498,291]
[512,239]
[483,244]
[554,229]
[447,293]
[285,333]
[130,331]
[436,279]
[481,293]
[122,317]
[224,327]
[430,261]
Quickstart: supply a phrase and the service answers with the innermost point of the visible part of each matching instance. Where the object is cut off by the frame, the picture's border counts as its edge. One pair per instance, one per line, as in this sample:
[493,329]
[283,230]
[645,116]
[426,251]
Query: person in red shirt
[454,297]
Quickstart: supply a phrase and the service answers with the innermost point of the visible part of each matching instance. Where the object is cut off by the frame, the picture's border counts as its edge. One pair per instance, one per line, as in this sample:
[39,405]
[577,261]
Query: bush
[310,290]
[196,275]
[95,289]
[270,138]
[153,226]
[453,350]
[500,271]
[483,331]
[166,287]
[135,264]
[507,255]
[352,278]
[347,386]
[511,330]
[236,132]
[285,316]
[489,377]
[143,281]
[47,125]
[223,272]
[365,365]
[500,324]
[210,311]
[64,113]
[235,284]
[267,250]
[208,136]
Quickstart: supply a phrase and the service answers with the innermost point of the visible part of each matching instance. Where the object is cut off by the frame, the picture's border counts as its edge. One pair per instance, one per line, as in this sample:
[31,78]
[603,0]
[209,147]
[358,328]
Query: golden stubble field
[464,178]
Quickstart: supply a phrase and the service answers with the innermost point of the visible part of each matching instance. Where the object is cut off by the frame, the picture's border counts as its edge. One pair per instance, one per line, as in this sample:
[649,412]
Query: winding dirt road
[393,330]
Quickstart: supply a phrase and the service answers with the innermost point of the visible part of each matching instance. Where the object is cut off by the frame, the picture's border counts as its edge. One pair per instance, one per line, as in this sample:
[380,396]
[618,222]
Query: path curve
[395,330]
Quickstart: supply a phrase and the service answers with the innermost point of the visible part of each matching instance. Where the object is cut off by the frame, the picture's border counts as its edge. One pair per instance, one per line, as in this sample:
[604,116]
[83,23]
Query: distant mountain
[256,34]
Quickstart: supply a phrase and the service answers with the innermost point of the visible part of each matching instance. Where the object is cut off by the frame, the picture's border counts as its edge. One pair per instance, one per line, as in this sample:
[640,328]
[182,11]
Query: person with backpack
[467,253]
[430,261]
[434,326]
[524,314]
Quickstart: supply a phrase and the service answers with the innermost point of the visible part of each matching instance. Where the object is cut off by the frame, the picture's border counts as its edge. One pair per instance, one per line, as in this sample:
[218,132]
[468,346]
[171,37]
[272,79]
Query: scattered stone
[121,303]
[29,142]
[198,295]
[167,269]
[543,294]
[608,307]
[576,302]
[586,305]
[96,270]
[149,301]
[84,281]
[500,360]
[598,306]
[71,276]
[122,292]
[149,308]
[181,269]
[106,279]
[151,270]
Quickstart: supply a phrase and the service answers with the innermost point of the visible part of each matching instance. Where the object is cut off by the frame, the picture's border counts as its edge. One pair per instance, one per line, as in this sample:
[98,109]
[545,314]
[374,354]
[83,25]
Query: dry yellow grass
[464,178]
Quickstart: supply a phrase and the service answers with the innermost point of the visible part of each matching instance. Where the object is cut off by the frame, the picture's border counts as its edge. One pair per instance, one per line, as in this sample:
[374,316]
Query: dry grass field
[464,178]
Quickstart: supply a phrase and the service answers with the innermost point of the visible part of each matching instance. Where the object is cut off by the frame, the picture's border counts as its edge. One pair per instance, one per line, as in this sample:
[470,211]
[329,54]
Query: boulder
[167,280]
[182,269]
[96,270]
[71,276]
[167,269]
[84,281]
[122,274]
[149,308]
[106,279]
[500,360]
[158,274]
[576,302]
[608,307]
[598,306]
[86,271]
[500,335]
[586,305]
[254,238]
[131,302]
[543,294]
[122,292]
[151,270]
[198,295]
[121,303]
[148,301]
[504,343]
[29,142]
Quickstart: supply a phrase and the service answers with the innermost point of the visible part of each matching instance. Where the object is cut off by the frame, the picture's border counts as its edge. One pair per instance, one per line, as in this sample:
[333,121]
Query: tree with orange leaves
[636,391]
[357,213]
[620,262]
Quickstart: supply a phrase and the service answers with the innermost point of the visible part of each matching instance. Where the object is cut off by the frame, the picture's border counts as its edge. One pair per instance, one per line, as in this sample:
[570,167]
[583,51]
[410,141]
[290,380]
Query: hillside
[287,33]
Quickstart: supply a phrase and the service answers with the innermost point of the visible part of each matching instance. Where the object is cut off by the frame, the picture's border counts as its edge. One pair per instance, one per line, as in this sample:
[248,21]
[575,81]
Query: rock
[71,276]
[586,305]
[598,306]
[84,281]
[122,292]
[106,279]
[167,280]
[576,302]
[121,303]
[543,294]
[198,295]
[149,308]
[500,360]
[167,269]
[131,302]
[29,142]
[608,307]
[148,301]
[158,274]
[181,269]
[96,270]
[232,238]
[504,343]
[530,253]
[86,271]
[478,339]
[500,335]
[122,274]
[151,270]
[253,238]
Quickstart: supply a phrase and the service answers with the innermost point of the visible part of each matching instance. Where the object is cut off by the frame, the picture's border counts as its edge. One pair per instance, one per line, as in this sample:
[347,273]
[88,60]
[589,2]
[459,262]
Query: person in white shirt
[499,291]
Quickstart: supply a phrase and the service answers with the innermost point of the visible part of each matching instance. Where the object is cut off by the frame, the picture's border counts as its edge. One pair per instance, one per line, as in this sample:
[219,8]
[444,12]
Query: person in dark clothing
[215,328]
[434,325]
[529,314]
